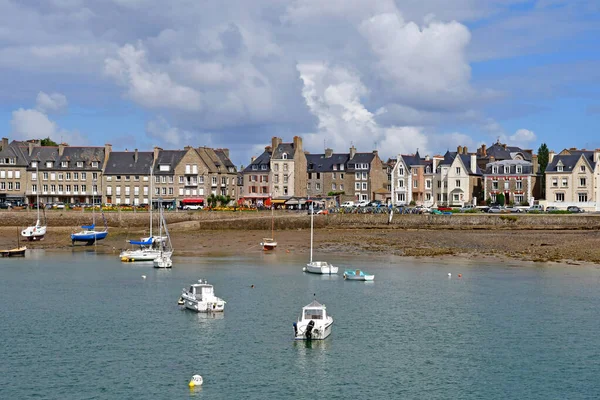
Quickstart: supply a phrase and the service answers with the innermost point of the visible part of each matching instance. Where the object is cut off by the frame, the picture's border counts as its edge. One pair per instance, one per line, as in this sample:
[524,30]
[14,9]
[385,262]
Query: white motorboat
[200,297]
[357,275]
[314,323]
[317,267]
[165,246]
[37,231]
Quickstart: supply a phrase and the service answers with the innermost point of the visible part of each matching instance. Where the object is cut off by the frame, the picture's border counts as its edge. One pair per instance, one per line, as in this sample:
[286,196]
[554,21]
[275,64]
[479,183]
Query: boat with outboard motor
[314,323]
[200,297]
[357,275]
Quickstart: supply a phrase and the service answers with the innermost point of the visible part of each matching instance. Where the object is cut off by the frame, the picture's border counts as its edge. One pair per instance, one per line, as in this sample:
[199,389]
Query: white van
[348,204]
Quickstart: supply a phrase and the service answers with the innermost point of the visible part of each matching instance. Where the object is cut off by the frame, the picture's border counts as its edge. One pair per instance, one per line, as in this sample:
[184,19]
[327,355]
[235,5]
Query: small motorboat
[357,275]
[314,323]
[200,297]
[163,261]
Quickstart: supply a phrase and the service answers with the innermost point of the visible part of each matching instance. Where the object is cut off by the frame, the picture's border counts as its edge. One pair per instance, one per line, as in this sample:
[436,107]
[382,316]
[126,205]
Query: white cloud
[160,131]
[34,124]
[521,138]
[48,103]
[147,84]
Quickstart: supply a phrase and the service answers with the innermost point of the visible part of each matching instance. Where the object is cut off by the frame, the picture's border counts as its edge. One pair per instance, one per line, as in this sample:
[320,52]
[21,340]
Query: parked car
[362,203]
[60,205]
[575,209]
[496,210]
[193,207]
[5,205]
[513,209]
[348,204]
[374,203]
[467,207]
[422,210]
[552,208]
[536,207]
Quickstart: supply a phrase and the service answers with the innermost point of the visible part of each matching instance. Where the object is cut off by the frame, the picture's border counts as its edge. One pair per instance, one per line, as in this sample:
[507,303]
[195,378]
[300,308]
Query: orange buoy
[460,275]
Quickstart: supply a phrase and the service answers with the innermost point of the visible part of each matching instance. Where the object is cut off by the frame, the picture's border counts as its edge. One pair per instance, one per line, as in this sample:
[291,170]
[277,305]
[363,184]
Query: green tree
[500,199]
[48,142]
[212,200]
[543,159]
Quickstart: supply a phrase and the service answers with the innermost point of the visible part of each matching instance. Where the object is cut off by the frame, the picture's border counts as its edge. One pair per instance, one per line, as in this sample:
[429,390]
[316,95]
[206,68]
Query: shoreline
[574,247]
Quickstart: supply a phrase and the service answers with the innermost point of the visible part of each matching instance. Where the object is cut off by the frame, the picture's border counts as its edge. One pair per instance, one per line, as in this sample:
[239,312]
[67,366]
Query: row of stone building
[286,173]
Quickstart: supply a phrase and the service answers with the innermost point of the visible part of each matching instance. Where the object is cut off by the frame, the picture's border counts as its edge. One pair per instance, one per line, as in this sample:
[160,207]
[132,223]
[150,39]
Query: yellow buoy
[196,381]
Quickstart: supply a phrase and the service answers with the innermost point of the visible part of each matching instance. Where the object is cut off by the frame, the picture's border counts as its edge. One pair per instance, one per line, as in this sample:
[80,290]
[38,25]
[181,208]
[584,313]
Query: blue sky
[396,75]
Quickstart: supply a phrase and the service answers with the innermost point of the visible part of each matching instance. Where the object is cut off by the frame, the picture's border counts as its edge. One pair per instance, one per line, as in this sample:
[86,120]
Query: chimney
[226,152]
[459,150]
[483,150]
[268,149]
[465,150]
[275,141]
[352,152]
[31,145]
[328,153]
[551,155]
[297,143]
[186,148]
[597,155]
[376,153]
[252,159]
[436,161]
[535,163]
[474,163]
[427,158]
[135,155]
[107,150]
[61,149]
[156,151]
[5,144]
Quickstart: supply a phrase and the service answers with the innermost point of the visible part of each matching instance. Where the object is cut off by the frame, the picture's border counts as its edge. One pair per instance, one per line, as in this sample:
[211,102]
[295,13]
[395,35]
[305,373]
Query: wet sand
[578,246]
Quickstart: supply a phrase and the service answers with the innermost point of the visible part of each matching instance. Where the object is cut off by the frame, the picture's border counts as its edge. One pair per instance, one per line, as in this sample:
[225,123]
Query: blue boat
[357,275]
[89,235]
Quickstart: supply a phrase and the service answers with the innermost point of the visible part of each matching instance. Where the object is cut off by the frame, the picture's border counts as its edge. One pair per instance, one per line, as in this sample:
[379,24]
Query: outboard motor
[309,328]
[295,329]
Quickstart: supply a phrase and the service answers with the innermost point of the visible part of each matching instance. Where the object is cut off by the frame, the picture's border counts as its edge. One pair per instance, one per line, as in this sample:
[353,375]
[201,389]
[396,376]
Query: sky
[396,76]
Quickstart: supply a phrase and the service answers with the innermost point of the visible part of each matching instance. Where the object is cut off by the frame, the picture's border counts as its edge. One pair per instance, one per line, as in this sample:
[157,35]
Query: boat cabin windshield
[313,314]
[204,290]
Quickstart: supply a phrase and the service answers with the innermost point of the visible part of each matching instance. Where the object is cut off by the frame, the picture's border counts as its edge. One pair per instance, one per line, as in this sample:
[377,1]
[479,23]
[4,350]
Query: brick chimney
[465,150]
[328,153]
[156,152]
[298,144]
[459,150]
[483,150]
[61,149]
[30,146]
[107,151]
[551,155]
[352,152]
[5,144]
[535,163]
[275,141]
[135,155]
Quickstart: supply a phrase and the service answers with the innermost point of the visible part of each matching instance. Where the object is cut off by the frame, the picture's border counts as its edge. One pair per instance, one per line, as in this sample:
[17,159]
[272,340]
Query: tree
[500,199]
[543,159]
[48,142]
[212,200]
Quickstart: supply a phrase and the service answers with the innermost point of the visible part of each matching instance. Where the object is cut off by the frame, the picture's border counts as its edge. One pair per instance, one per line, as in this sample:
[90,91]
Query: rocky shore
[540,238]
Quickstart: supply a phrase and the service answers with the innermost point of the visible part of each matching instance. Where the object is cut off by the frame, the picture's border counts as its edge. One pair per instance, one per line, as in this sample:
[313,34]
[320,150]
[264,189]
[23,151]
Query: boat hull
[88,237]
[321,267]
[163,262]
[323,331]
[352,276]
[203,306]
[33,233]
[141,255]
[19,252]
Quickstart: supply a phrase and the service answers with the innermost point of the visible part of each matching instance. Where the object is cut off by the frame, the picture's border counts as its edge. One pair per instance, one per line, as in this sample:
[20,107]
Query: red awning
[193,200]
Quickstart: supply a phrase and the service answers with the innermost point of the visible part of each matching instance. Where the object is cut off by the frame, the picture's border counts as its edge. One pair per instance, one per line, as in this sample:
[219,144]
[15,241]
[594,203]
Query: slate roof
[320,163]
[527,167]
[360,158]
[72,155]
[15,150]
[570,161]
[123,163]
[263,159]
[225,160]
[499,152]
[168,157]
[284,148]
[466,159]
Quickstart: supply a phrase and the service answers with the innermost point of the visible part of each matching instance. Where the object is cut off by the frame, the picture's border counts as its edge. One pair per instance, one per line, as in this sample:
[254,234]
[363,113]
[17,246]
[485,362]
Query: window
[583,198]
[34,164]
[33,188]
[415,184]
[519,170]
[60,176]
[188,169]
[401,171]
[506,185]
[45,176]
[559,197]
[181,180]
[284,156]
[79,164]
[357,186]
[582,181]
[317,186]
[285,178]
[285,167]
[263,167]
[364,186]
[109,178]
[341,175]
[64,164]
[457,183]
[164,168]
[582,168]
[201,180]
[118,190]
[400,183]
[554,182]
[333,186]
[519,198]
[95,189]
[68,188]
[52,187]
[223,180]
[565,182]
[75,176]
[357,176]
[10,186]
[285,190]
[83,188]
[214,180]
[495,185]
[255,168]
[170,178]
[127,190]
[365,176]
[427,196]
[195,169]
[456,198]
[428,183]
[341,187]
[136,178]
[49,164]
[401,197]
[559,168]
[495,169]
[414,171]
[45,188]
[458,170]
[94,164]
[519,184]
[506,169]
[276,167]
[145,190]
[333,175]
[83,176]
[170,191]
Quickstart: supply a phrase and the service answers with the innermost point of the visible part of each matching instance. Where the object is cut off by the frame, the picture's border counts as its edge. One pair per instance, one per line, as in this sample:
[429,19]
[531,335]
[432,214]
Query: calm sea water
[85,326]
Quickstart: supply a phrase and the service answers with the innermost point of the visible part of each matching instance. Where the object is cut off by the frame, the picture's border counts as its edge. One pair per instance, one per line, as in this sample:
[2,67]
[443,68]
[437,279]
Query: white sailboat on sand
[270,243]
[37,231]
[166,248]
[317,267]
[149,247]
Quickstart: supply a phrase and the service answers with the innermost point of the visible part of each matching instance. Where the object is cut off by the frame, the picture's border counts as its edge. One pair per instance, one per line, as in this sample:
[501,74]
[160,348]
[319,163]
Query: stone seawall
[194,220]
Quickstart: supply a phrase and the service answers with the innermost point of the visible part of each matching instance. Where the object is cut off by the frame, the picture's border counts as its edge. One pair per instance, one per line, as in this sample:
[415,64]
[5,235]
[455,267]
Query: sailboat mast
[37,192]
[151,205]
[93,208]
[312,216]
[160,230]
[272,221]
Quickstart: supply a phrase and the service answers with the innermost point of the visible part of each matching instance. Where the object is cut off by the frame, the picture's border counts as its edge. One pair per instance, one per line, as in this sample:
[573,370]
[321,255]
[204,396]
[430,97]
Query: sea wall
[219,220]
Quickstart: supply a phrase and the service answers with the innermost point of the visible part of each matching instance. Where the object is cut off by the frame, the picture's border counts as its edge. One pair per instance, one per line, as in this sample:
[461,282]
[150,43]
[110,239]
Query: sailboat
[16,252]
[147,250]
[89,234]
[166,248]
[317,267]
[270,243]
[37,231]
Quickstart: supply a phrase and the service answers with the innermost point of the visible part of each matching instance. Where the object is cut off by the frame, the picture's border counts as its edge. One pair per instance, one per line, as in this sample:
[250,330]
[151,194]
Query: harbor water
[86,326]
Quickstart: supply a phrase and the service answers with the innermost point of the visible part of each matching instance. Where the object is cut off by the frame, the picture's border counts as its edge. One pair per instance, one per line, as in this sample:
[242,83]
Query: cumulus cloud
[161,133]
[522,138]
[49,103]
